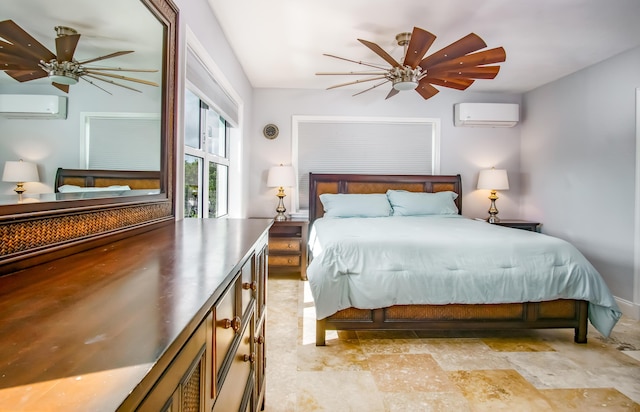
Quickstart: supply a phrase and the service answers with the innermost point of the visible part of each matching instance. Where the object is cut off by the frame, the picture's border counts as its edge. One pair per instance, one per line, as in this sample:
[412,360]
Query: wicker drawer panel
[284,260]
[448,312]
[284,245]
[352,314]
[557,309]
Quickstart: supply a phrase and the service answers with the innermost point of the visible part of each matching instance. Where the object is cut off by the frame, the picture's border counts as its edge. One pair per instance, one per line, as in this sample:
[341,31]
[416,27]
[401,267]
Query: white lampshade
[19,171]
[493,179]
[281,176]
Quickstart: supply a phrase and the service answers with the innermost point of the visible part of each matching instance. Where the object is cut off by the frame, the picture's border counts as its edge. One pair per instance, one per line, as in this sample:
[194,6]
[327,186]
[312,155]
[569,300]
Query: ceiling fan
[24,58]
[455,66]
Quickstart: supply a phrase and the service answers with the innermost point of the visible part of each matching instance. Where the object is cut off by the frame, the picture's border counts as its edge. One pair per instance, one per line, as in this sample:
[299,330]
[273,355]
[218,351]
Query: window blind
[119,143]
[213,93]
[362,147]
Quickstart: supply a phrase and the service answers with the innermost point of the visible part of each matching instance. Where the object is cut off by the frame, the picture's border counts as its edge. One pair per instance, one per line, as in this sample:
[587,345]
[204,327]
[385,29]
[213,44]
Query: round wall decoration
[270,131]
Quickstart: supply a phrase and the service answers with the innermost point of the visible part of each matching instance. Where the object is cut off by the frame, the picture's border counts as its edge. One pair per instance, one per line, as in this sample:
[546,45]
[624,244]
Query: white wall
[463,150]
[578,164]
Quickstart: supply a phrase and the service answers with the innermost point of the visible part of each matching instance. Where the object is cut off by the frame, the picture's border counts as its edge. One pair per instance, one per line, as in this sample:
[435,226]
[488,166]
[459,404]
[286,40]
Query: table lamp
[281,176]
[20,172]
[493,179]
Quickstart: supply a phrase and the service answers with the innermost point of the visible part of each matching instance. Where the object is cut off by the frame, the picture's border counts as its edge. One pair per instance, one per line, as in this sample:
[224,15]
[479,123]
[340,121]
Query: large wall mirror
[130,95]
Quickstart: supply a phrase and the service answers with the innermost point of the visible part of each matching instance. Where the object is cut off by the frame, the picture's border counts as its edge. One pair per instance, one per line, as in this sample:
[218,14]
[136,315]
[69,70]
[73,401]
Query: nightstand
[520,224]
[288,247]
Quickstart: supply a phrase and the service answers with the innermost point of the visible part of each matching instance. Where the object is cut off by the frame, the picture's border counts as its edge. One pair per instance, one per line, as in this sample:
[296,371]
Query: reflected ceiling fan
[455,66]
[24,58]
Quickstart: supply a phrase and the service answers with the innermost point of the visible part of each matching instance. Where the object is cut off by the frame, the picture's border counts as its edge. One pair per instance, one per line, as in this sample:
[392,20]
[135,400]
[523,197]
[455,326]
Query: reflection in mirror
[127,133]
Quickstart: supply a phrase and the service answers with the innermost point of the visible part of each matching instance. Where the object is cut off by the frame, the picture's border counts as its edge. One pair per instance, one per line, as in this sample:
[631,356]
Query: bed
[343,286]
[85,180]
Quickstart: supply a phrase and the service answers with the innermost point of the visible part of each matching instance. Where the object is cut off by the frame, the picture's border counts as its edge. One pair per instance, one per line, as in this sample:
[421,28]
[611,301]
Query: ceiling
[280,42]
[103,26]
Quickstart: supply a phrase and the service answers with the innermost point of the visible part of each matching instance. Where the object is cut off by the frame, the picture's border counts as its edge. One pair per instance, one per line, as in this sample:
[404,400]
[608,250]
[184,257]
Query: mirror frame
[33,233]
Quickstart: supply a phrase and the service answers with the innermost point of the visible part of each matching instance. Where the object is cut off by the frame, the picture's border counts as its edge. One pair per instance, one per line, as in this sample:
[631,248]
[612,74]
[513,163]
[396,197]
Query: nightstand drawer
[285,245]
[284,260]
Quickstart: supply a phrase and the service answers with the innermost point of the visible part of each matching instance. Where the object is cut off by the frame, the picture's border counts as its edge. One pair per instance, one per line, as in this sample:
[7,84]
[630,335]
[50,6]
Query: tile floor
[540,370]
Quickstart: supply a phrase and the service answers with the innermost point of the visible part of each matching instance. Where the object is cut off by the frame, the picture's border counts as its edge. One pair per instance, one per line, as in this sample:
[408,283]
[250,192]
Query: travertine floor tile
[527,370]
[499,390]
[408,373]
[600,399]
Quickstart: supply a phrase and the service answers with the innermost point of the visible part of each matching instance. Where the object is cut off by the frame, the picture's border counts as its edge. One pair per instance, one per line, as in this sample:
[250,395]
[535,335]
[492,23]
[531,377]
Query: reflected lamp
[493,179]
[20,172]
[281,177]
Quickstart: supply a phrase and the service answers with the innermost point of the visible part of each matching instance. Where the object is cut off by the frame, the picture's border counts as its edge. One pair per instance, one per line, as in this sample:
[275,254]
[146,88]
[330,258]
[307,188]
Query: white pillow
[74,189]
[420,203]
[355,205]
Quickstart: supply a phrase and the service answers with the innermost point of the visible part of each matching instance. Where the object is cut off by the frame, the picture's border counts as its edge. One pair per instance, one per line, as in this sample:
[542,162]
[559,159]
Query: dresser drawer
[232,394]
[285,245]
[225,320]
[284,260]
[248,285]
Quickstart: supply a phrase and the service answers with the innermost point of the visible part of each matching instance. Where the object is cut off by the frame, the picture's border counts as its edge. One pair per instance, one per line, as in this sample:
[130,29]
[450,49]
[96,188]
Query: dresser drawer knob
[253,286]
[249,358]
[234,323]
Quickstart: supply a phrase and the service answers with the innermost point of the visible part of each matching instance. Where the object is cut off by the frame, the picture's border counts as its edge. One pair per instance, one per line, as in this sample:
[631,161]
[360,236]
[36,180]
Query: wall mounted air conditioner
[486,114]
[30,106]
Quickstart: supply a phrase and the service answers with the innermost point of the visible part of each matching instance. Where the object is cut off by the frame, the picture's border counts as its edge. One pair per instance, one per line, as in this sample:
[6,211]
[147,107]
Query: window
[206,160]
[368,145]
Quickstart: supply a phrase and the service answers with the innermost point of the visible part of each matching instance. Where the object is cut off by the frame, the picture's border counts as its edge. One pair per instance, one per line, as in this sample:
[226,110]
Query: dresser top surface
[93,324]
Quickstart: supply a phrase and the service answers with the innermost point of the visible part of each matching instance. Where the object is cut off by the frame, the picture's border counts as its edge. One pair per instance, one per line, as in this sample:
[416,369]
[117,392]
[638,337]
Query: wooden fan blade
[107,81]
[465,45]
[107,56]
[22,44]
[490,56]
[26,75]
[122,69]
[392,93]
[11,62]
[482,72]
[117,76]
[66,46]
[356,82]
[426,90]
[63,87]
[354,61]
[459,84]
[420,42]
[372,87]
[380,52]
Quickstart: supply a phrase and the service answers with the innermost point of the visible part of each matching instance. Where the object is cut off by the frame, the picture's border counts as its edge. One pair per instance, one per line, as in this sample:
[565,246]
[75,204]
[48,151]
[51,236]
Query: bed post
[321,332]
[580,335]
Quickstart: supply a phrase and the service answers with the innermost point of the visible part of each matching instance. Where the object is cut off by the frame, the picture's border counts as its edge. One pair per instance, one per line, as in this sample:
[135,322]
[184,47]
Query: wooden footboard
[563,313]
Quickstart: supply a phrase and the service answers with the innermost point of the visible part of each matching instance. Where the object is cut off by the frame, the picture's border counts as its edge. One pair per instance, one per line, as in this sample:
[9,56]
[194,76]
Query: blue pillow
[419,203]
[355,205]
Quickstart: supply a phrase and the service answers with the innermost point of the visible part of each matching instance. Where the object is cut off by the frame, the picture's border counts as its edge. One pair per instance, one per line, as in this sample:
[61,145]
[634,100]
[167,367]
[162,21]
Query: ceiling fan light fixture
[61,77]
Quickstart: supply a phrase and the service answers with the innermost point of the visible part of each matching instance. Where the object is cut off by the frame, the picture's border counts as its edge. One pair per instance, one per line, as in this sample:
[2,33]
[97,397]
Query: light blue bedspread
[377,262]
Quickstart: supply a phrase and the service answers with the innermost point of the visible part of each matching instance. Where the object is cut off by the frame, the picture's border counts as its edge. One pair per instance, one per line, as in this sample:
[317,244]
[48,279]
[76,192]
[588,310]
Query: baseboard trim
[629,309]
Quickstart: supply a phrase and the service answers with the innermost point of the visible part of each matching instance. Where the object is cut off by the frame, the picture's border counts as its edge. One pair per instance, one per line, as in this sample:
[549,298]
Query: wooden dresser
[168,320]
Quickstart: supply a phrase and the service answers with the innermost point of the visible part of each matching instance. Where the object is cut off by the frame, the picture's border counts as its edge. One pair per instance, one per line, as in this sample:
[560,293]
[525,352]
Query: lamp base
[280,209]
[493,211]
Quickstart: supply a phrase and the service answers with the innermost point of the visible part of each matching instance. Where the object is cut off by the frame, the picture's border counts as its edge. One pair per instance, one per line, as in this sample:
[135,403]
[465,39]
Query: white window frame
[296,120]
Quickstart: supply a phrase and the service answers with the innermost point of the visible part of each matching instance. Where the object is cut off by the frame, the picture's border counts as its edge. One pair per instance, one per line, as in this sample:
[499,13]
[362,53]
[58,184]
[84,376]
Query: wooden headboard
[355,183]
[135,179]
